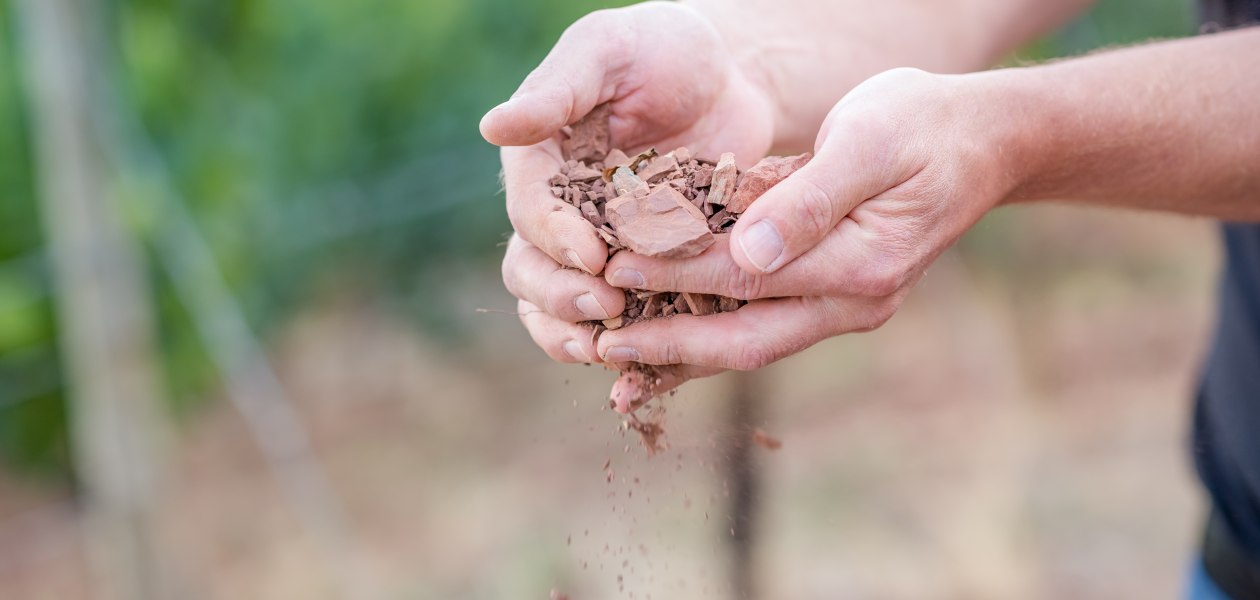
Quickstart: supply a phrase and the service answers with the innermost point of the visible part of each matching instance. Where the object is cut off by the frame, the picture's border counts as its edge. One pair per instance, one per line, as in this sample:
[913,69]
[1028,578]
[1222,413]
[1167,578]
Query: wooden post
[743,483]
[103,308]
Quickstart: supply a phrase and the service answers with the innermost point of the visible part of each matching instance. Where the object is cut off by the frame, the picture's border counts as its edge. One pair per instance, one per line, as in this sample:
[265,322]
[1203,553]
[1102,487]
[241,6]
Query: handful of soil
[662,205]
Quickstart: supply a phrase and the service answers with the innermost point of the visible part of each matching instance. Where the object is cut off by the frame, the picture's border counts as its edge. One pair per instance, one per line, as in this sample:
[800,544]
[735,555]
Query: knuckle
[556,351]
[509,269]
[743,285]
[881,313]
[818,212]
[518,213]
[673,353]
[607,23]
[750,357]
[557,301]
[880,279]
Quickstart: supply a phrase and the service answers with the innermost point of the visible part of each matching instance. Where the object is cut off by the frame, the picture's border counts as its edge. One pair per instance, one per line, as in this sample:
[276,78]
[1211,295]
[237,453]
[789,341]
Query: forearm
[807,54]
[1171,126]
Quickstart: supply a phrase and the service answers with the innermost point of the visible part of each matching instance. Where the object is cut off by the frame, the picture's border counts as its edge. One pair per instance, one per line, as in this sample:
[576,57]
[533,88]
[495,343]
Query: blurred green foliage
[319,143]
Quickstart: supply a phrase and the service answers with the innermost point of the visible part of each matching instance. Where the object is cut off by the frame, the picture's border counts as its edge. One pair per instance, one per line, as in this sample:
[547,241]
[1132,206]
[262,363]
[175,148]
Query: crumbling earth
[662,205]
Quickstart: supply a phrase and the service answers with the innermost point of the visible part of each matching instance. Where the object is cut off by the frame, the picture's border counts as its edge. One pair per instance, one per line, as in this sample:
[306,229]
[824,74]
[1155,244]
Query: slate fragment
[657,168]
[626,183]
[661,224]
[589,139]
[723,184]
[763,176]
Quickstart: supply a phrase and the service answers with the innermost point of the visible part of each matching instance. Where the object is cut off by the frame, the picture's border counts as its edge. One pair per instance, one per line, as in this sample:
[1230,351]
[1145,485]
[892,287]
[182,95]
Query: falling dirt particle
[765,440]
[568,541]
[607,463]
[557,595]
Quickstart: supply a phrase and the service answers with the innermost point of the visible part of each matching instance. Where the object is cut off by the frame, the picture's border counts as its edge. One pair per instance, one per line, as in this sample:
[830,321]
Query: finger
[554,226]
[562,341]
[849,262]
[572,79]
[566,294]
[635,388]
[795,215]
[749,338]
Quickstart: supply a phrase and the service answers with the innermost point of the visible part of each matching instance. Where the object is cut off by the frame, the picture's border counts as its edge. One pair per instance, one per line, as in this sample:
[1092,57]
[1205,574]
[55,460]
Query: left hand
[903,165]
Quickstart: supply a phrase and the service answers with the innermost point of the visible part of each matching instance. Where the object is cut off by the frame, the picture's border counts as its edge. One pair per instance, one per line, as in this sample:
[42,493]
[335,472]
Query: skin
[905,162]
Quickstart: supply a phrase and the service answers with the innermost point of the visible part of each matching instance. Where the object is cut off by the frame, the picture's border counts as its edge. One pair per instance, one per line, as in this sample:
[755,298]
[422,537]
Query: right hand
[672,82]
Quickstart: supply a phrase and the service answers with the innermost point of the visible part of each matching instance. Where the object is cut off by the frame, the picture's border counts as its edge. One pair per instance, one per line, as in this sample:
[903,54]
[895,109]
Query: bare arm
[808,55]
[1168,126]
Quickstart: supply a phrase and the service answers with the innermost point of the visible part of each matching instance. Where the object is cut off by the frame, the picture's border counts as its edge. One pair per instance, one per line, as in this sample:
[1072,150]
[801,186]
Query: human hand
[903,165]
[668,77]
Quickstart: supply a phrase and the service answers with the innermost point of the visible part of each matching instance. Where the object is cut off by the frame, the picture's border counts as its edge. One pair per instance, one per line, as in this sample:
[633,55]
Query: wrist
[1018,125]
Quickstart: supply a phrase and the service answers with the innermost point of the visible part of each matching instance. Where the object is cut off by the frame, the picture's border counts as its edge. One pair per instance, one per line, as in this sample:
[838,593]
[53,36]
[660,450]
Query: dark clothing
[1216,14]
[1227,412]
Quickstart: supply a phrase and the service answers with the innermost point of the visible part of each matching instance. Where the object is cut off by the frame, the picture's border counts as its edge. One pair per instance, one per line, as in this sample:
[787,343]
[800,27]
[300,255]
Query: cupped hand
[667,75]
[903,165]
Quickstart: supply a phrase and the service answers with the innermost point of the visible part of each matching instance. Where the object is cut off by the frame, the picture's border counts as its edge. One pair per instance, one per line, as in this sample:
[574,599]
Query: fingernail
[762,244]
[590,307]
[575,350]
[574,261]
[627,278]
[617,354]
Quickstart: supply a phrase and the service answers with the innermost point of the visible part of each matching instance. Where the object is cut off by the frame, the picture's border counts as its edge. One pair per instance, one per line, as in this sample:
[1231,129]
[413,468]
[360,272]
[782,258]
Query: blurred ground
[1017,431]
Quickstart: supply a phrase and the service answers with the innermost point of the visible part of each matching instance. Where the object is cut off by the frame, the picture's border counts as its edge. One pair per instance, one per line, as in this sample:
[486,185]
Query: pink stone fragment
[723,183]
[763,176]
[662,224]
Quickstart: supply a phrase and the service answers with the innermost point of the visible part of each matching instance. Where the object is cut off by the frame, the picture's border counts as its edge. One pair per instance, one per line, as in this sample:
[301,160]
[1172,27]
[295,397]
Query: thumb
[572,79]
[796,214]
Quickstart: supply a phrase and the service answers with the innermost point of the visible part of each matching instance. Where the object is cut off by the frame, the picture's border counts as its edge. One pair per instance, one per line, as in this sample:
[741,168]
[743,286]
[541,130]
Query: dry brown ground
[1018,431]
